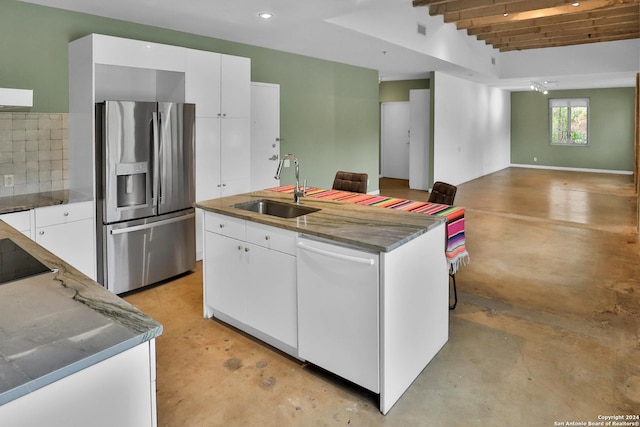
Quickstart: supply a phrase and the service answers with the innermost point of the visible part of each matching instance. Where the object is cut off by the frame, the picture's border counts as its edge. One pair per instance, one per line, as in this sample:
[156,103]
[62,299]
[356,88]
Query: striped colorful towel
[456,251]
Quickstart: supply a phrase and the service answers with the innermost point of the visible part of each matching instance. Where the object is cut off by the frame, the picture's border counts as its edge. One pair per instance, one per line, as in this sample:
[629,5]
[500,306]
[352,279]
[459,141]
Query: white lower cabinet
[374,318]
[249,281]
[68,232]
[225,287]
[21,221]
[118,391]
[271,305]
[65,230]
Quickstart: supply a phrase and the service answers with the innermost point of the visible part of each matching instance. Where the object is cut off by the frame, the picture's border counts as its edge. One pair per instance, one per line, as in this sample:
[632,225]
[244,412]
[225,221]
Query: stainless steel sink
[274,208]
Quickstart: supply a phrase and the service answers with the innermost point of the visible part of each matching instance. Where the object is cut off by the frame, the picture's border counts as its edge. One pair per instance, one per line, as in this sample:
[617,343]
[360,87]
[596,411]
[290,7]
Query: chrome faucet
[297,192]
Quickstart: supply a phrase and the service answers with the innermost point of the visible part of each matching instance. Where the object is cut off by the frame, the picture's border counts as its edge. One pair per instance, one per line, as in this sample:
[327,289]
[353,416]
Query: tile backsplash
[34,150]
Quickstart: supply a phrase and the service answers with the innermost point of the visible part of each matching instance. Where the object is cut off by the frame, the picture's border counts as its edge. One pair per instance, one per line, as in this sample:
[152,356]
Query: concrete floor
[546,330]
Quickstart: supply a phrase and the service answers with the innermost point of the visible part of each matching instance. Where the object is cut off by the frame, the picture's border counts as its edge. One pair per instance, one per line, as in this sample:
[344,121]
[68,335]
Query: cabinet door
[70,242]
[137,54]
[207,160]
[235,155]
[271,294]
[202,82]
[235,86]
[225,275]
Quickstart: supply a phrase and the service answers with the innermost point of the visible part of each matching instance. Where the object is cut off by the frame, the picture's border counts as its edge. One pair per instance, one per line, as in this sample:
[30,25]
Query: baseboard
[562,168]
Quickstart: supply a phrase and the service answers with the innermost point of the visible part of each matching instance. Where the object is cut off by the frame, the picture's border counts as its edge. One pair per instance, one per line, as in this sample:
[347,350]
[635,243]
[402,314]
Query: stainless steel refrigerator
[145,190]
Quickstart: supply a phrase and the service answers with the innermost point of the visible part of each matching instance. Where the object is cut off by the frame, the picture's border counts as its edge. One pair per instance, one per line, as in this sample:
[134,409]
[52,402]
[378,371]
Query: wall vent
[422,29]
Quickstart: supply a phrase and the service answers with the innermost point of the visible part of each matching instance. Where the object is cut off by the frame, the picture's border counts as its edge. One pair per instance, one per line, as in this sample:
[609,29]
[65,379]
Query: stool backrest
[443,193]
[350,181]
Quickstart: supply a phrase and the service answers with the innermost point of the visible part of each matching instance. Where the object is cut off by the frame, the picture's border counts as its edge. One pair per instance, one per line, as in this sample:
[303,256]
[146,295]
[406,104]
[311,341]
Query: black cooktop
[16,263]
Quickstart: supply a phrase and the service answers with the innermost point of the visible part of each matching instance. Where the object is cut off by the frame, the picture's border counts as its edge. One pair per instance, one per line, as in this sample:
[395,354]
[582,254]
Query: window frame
[569,103]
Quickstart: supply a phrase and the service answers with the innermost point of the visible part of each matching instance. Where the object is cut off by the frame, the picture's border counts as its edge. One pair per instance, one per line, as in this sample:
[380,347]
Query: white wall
[621,56]
[472,129]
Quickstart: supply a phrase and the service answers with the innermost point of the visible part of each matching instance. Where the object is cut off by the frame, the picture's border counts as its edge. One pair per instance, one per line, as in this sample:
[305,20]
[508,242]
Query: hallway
[546,329]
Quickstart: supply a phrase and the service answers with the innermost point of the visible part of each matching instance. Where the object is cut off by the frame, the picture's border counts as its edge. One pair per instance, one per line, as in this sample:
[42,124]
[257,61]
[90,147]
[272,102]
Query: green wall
[611,125]
[329,111]
[398,90]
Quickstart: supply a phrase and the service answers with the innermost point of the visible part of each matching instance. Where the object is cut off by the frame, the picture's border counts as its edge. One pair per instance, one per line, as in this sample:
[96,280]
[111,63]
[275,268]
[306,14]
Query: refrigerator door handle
[155,150]
[152,224]
[159,155]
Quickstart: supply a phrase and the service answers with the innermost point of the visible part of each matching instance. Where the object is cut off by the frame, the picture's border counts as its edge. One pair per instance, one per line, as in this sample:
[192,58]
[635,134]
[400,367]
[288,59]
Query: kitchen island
[359,291]
[71,352]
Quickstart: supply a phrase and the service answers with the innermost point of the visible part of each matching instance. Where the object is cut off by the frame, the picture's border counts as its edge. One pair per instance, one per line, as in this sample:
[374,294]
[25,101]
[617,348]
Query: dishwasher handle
[366,261]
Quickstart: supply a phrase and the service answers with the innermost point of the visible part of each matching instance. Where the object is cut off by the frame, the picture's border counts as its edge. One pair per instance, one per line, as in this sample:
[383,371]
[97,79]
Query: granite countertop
[55,324]
[24,202]
[366,227]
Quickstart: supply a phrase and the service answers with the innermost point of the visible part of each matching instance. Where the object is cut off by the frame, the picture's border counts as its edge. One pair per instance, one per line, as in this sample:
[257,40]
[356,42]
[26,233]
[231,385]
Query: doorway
[405,130]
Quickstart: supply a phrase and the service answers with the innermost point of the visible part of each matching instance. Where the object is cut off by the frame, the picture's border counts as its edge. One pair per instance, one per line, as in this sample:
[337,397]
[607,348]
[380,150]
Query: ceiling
[376,34]
[533,24]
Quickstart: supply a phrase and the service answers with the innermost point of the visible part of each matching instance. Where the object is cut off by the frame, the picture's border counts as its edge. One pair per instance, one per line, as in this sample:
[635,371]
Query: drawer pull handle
[221,225]
[41,233]
[344,257]
[246,249]
[267,237]
[66,214]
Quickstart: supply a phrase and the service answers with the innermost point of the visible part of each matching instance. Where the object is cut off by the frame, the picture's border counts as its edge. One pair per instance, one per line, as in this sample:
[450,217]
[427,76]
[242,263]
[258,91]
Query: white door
[265,135]
[419,100]
[395,139]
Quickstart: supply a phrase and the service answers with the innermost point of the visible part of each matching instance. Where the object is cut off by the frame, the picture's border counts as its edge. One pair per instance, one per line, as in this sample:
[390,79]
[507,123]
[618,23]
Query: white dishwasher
[338,310]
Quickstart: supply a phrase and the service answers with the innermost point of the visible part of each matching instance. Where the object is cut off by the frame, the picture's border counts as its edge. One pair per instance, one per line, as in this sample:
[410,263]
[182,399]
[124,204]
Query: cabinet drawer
[225,225]
[21,221]
[61,214]
[271,237]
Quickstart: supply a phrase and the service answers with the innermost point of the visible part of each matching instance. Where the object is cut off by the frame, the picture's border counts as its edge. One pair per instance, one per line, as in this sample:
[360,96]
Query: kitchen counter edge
[346,223]
[141,328]
[25,202]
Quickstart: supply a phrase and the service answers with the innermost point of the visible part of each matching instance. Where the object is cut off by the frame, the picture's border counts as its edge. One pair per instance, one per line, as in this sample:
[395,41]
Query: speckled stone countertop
[58,323]
[24,202]
[366,227]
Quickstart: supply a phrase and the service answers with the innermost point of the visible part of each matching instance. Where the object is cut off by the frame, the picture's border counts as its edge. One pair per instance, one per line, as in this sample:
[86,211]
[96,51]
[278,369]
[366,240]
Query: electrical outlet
[8,180]
[535,159]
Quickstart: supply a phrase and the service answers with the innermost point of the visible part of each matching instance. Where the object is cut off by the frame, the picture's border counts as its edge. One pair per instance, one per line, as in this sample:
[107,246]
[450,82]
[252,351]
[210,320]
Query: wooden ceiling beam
[423,3]
[630,11]
[532,24]
[566,42]
[456,10]
[560,34]
[582,25]
[567,11]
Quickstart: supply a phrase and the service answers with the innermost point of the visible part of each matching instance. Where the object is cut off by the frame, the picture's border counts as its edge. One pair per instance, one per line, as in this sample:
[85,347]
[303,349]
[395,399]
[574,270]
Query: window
[569,120]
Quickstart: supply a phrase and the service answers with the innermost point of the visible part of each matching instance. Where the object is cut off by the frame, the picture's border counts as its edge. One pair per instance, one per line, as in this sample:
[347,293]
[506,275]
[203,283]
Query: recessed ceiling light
[505,14]
[265,15]
[576,4]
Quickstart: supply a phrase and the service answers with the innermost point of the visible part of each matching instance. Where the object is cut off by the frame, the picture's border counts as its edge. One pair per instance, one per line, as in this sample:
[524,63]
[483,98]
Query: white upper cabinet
[202,83]
[219,85]
[236,86]
[138,54]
